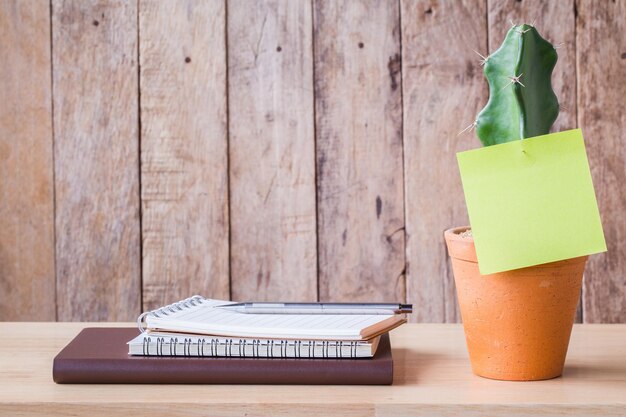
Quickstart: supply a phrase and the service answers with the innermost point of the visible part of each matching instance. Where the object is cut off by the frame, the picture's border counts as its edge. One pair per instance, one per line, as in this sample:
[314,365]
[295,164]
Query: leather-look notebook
[100,356]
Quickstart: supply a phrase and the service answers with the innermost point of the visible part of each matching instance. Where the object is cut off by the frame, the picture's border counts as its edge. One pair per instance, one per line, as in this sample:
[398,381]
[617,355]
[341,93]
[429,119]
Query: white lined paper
[204,318]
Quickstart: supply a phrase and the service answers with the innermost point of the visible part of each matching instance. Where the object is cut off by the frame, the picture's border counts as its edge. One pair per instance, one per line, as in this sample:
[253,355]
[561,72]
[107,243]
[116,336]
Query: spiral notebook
[169,344]
[198,315]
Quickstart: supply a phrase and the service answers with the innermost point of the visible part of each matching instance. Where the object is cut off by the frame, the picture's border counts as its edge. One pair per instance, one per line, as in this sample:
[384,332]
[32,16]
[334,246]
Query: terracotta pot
[517,323]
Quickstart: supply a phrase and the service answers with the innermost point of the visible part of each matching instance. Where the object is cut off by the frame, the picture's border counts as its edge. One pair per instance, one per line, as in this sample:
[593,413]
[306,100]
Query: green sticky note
[531,202]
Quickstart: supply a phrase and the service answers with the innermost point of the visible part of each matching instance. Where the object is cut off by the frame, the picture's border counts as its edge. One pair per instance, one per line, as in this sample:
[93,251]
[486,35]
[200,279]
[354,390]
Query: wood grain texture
[358,104]
[184,160]
[96,159]
[443,91]
[556,22]
[27,276]
[601,60]
[339,140]
[432,377]
[272,150]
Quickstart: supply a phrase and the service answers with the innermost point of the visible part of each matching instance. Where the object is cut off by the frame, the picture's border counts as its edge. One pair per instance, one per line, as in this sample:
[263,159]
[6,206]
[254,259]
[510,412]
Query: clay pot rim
[460,246]
[455,234]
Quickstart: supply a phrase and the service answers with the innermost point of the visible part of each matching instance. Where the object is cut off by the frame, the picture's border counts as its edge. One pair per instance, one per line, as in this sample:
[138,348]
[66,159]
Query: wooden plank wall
[601,69]
[96,159]
[184,157]
[271,150]
[358,108]
[275,149]
[27,275]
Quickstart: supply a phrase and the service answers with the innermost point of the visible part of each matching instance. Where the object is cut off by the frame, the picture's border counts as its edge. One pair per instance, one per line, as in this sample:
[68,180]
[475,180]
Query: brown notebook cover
[100,356]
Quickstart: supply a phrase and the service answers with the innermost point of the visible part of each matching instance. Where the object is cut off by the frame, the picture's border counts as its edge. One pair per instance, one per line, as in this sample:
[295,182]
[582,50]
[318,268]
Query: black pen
[318,308]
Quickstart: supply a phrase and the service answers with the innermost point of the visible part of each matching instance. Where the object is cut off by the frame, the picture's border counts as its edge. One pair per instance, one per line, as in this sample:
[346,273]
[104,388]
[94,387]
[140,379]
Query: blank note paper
[531,202]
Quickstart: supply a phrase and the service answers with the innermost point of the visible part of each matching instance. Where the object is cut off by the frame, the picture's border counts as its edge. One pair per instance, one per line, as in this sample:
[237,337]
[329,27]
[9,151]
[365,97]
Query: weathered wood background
[292,149]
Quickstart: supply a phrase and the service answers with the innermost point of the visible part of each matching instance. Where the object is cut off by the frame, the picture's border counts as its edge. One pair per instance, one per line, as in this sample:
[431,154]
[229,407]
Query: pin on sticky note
[531,202]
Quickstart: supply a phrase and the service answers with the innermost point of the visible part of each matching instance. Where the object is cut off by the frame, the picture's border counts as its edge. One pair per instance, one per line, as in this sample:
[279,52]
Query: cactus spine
[521,102]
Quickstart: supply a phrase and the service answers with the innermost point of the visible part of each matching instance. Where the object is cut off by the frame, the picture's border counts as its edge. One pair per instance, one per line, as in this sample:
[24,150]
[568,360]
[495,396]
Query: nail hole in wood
[361,45]
[96,23]
[429,11]
[623,55]
[187,60]
[278,49]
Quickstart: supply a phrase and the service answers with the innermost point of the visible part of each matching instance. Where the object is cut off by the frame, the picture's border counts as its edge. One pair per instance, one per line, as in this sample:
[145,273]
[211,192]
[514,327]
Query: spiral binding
[210,347]
[170,309]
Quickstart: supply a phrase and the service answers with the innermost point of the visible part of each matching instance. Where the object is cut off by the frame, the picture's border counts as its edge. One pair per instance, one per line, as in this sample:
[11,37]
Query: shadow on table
[616,371]
[410,365]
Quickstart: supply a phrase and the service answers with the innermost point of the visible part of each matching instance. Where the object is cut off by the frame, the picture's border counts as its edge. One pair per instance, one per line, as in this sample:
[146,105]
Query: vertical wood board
[443,91]
[272,151]
[601,63]
[358,108]
[184,165]
[26,169]
[96,159]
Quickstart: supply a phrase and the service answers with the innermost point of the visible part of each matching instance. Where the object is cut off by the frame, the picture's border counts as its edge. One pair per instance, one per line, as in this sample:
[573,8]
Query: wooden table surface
[432,377]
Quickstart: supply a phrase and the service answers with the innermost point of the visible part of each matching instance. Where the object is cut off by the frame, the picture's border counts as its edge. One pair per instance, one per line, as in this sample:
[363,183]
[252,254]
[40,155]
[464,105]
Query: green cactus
[521,102]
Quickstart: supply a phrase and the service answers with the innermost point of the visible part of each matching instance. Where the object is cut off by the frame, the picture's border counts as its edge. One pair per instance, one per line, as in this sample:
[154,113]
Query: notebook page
[205,319]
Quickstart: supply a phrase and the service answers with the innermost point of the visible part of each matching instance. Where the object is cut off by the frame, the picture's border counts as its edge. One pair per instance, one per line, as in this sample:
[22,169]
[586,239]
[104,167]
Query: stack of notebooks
[193,342]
